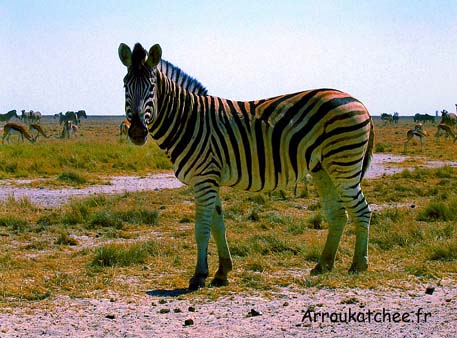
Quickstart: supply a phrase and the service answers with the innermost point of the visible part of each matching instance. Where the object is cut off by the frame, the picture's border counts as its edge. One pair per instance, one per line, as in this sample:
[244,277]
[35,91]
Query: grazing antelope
[38,129]
[447,130]
[124,130]
[69,128]
[14,128]
[417,132]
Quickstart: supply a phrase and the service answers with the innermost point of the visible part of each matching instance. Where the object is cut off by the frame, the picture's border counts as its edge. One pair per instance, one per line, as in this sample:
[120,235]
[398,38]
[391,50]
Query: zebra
[255,146]
[387,118]
[8,116]
[81,113]
[424,118]
[395,117]
[448,118]
[69,128]
[31,116]
[68,116]
[15,128]
[417,132]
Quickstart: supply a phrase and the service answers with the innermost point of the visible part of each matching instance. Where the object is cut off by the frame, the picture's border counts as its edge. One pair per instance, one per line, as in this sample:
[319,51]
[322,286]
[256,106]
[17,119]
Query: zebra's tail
[369,152]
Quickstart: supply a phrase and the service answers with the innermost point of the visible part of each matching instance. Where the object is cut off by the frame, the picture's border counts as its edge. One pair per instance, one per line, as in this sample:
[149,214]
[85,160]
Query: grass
[129,242]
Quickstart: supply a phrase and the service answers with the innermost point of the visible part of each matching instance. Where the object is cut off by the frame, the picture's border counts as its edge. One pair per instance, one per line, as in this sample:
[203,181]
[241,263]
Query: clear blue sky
[392,55]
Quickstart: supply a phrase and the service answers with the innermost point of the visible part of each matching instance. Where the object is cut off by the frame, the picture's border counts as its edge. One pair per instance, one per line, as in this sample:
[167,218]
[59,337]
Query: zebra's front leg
[205,201]
[225,260]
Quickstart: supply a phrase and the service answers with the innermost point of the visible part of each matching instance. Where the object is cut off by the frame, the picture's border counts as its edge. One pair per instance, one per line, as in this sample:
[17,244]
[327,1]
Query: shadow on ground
[168,293]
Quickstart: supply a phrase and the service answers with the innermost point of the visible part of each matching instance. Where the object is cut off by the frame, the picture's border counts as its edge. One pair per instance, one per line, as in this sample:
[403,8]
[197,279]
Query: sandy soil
[313,313]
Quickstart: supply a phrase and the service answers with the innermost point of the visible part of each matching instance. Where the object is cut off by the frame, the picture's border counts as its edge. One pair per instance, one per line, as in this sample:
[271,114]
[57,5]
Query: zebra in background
[8,116]
[448,118]
[256,146]
[395,117]
[387,118]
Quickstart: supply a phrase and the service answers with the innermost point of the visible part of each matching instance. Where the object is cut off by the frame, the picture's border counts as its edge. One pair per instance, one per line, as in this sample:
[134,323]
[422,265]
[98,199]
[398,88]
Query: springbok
[124,130]
[417,132]
[14,128]
[38,129]
[447,130]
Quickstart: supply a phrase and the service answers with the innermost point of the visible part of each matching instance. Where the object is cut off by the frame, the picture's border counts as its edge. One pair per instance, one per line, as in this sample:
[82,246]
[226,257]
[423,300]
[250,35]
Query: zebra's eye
[147,116]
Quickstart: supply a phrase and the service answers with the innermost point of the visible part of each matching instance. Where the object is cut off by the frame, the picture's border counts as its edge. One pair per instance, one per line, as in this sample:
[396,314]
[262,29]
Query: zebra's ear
[125,54]
[154,56]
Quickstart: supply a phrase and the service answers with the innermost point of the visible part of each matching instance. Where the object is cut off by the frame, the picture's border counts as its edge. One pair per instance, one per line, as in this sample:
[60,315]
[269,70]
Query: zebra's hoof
[196,282]
[357,268]
[216,282]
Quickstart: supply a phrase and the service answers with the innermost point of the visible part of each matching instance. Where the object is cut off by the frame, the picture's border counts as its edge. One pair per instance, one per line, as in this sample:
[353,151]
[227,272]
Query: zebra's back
[267,144]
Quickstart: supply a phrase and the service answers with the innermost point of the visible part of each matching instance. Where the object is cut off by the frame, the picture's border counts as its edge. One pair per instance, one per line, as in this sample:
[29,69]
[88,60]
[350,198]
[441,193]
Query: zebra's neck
[177,112]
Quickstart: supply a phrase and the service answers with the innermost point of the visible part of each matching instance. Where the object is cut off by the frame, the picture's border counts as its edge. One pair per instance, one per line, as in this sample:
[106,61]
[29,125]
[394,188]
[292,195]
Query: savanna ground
[140,245]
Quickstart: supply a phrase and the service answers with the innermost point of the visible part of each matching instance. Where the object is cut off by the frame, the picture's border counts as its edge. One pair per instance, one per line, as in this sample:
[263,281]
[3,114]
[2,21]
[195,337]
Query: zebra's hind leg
[360,213]
[225,260]
[336,216]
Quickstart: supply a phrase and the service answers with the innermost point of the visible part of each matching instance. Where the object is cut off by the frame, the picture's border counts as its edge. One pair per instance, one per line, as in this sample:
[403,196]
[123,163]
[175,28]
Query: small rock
[164,311]
[285,304]
[162,301]
[110,316]
[254,313]
[429,290]
[188,322]
[177,310]
[191,309]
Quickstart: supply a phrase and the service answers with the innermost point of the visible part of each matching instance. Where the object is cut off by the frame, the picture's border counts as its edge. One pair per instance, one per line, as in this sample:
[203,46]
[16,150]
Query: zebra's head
[140,88]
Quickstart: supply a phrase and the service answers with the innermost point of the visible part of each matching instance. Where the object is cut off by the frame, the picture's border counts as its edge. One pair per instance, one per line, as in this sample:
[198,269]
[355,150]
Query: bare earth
[313,313]
[310,312]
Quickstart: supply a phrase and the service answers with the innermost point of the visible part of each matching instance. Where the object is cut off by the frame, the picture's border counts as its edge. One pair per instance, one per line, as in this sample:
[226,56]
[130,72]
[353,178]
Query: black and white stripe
[256,146]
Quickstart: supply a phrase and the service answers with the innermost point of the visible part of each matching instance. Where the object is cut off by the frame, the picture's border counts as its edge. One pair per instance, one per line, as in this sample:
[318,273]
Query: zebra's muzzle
[138,134]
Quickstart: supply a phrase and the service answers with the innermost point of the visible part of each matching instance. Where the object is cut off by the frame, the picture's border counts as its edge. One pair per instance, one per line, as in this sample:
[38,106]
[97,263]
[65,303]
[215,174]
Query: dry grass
[134,242]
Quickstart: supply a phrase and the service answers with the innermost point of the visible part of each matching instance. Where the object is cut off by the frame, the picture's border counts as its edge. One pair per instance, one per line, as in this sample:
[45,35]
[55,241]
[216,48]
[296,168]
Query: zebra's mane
[181,78]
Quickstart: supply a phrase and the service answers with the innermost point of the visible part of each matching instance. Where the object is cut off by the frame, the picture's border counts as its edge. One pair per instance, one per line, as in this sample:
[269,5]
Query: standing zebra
[256,146]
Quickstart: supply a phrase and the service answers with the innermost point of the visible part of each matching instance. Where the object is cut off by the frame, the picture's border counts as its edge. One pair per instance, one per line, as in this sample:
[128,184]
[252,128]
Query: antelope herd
[28,125]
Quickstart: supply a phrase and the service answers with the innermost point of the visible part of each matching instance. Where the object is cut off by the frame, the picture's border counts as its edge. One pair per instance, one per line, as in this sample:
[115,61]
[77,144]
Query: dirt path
[382,164]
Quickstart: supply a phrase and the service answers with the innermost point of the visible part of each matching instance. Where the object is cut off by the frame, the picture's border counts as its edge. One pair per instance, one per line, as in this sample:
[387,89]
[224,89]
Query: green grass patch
[112,255]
